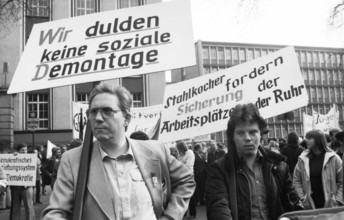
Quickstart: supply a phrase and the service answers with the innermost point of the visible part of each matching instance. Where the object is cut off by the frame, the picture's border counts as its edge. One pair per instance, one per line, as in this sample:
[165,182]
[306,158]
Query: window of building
[334,59]
[323,77]
[137,100]
[206,70]
[337,90]
[330,77]
[298,130]
[321,110]
[264,52]
[213,55]
[311,77]
[315,58]
[309,58]
[250,54]
[328,59]
[297,115]
[305,74]
[205,53]
[228,54]
[303,58]
[221,53]
[130,3]
[84,7]
[214,69]
[317,77]
[235,55]
[278,132]
[332,95]
[242,55]
[313,94]
[322,59]
[339,60]
[38,8]
[326,95]
[298,56]
[335,77]
[82,98]
[39,104]
[257,53]
[320,94]
[309,111]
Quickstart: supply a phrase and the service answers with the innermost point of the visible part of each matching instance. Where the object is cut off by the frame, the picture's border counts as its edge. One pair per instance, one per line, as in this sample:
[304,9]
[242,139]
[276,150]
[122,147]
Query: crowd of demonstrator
[12,197]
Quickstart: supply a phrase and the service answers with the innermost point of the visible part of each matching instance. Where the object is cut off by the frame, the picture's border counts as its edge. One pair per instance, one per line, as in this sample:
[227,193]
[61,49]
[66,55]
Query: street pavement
[5,214]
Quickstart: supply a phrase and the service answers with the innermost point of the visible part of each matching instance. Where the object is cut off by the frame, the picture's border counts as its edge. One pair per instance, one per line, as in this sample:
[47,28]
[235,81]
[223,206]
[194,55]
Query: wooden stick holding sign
[83,173]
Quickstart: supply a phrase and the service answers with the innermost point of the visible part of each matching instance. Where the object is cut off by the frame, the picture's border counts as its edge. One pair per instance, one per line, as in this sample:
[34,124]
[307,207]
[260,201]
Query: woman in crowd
[318,175]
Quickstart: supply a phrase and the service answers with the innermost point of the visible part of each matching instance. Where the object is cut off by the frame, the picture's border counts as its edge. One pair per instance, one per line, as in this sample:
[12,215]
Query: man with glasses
[128,179]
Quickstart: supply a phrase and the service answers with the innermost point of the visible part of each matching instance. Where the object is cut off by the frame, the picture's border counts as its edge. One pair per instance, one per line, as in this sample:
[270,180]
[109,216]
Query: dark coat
[281,198]
[292,152]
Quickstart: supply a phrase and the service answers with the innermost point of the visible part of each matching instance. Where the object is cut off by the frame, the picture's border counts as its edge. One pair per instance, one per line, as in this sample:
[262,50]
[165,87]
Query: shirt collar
[103,154]
[259,157]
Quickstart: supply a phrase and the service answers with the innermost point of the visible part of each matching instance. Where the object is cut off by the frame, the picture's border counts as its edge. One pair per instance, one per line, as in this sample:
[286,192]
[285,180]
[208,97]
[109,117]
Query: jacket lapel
[98,185]
[151,172]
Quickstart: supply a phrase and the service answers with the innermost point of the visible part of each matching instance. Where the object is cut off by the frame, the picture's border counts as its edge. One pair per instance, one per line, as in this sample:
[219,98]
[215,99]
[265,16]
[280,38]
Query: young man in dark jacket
[249,182]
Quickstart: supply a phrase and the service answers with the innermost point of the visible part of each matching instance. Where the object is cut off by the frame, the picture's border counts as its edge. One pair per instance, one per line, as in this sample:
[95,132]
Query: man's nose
[247,136]
[99,116]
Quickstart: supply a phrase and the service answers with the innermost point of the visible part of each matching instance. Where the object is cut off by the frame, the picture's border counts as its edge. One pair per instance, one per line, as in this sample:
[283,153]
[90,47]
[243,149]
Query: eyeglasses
[106,112]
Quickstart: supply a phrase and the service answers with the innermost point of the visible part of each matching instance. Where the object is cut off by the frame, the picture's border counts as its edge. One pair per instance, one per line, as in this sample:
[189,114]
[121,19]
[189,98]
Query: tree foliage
[336,16]
[11,11]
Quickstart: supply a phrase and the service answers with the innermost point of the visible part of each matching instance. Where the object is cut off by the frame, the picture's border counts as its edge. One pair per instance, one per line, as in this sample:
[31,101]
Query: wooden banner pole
[83,173]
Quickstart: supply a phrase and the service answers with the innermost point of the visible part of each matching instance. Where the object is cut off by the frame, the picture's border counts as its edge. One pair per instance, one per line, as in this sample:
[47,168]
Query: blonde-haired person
[318,175]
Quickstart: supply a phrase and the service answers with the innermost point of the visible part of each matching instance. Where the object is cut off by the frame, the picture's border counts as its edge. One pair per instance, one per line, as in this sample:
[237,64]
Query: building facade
[53,107]
[322,70]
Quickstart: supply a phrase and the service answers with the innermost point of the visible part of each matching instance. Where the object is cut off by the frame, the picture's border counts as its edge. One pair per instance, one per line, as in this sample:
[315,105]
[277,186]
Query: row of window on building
[232,56]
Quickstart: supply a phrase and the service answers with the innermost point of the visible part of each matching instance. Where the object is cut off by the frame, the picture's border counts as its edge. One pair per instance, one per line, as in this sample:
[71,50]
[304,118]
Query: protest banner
[19,169]
[79,116]
[106,45]
[203,105]
[147,120]
[321,122]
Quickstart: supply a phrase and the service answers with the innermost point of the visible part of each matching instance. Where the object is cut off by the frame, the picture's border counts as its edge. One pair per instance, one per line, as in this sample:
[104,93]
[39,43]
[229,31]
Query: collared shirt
[131,196]
[258,193]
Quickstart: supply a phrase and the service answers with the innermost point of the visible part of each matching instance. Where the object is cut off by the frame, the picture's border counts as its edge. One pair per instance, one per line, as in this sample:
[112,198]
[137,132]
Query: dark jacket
[292,152]
[200,164]
[281,198]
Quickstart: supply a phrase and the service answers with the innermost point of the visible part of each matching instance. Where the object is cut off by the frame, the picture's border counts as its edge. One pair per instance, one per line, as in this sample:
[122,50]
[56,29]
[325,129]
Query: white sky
[283,22]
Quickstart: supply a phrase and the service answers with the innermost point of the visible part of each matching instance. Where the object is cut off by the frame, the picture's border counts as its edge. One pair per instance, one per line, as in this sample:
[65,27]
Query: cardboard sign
[203,105]
[145,119]
[20,169]
[106,45]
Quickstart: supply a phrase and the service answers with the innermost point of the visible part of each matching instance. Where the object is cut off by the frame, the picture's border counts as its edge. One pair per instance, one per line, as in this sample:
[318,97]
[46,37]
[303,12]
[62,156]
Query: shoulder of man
[272,156]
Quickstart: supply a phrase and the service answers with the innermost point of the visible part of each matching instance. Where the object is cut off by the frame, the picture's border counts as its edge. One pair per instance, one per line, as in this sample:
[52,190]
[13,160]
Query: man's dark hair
[244,113]
[182,147]
[197,147]
[293,139]
[21,145]
[333,131]
[139,135]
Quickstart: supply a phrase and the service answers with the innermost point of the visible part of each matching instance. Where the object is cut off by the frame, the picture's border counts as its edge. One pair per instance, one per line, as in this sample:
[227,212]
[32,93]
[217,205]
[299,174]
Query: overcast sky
[283,22]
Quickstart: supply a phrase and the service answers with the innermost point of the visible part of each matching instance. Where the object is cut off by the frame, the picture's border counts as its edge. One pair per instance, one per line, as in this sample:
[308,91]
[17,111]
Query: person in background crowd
[222,148]
[328,138]
[274,146]
[200,175]
[48,167]
[5,195]
[292,150]
[46,180]
[22,193]
[174,152]
[141,174]
[334,144]
[318,175]
[38,151]
[187,157]
[214,153]
[139,135]
[63,148]
[3,182]
[75,142]
[263,185]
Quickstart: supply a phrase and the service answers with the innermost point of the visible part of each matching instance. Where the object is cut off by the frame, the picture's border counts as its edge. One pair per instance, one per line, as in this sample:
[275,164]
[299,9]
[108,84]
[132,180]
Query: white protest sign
[307,123]
[20,169]
[79,116]
[326,122]
[106,45]
[145,119]
[202,105]
[50,147]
